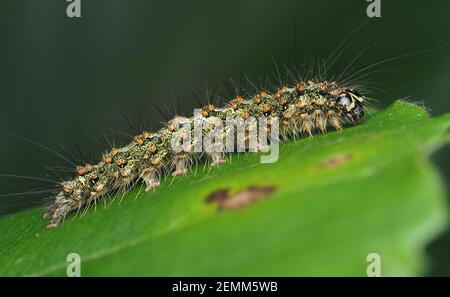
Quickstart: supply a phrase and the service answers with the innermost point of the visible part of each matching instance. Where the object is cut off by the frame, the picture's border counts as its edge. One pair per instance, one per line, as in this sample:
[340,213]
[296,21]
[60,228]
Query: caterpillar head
[352,104]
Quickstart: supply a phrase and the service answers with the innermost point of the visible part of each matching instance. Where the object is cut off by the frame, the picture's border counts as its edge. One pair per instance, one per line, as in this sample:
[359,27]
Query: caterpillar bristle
[303,108]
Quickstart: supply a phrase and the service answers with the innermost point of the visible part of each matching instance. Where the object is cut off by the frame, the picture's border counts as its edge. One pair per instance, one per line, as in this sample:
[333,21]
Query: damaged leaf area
[335,161]
[238,200]
[321,209]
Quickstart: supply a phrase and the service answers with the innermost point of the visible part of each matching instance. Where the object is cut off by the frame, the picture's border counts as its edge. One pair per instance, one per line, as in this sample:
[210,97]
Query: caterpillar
[304,107]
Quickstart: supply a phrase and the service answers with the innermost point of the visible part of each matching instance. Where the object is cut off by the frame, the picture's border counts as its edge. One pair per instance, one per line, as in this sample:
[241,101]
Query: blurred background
[67,81]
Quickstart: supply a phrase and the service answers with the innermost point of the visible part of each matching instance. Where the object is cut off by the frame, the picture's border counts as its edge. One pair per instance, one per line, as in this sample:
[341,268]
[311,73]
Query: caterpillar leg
[216,150]
[307,124]
[334,120]
[217,158]
[150,178]
[180,163]
[320,121]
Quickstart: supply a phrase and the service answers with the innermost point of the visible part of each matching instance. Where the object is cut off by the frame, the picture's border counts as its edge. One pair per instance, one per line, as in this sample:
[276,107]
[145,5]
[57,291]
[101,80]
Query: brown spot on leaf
[217,196]
[336,160]
[225,200]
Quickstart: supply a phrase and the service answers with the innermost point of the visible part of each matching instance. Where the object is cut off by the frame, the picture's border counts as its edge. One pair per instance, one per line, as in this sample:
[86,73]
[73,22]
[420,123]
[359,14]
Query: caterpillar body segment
[302,109]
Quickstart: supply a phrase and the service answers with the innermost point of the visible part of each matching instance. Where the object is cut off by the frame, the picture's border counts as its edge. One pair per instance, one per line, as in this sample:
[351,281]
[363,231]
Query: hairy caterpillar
[302,108]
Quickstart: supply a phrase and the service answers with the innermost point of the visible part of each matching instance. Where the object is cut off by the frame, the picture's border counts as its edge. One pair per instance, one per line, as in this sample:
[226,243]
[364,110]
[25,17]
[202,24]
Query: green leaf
[337,198]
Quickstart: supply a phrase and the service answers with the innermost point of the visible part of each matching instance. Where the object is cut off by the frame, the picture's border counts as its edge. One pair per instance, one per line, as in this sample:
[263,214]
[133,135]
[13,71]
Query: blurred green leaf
[338,197]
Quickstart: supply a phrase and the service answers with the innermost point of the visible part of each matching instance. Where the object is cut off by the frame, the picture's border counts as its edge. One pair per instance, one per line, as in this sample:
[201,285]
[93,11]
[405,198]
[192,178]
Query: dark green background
[63,78]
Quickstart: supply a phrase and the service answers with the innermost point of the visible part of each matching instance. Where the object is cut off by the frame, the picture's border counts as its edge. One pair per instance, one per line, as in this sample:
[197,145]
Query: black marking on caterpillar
[302,108]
